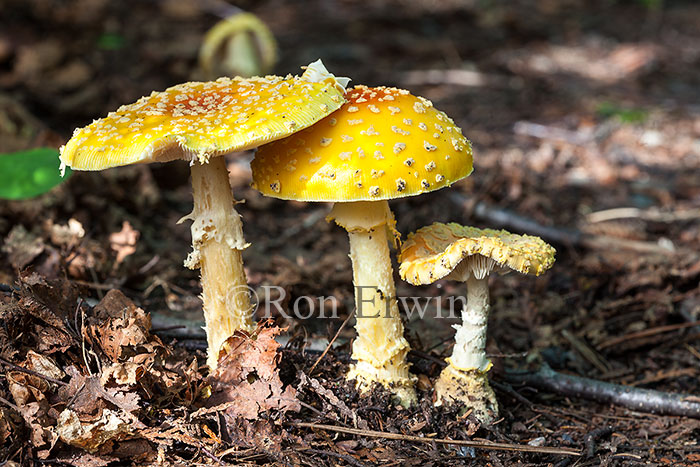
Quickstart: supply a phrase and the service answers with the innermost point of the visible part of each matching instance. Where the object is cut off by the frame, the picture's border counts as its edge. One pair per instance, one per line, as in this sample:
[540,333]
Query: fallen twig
[646,333]
[167,328]
[334,401]
[456,442]
[467,78]
[537,130]
[10,405]
[7,288]
[590,439]
[32,372]
[638,399]
[330,344]
[507,219]
[427,356]
[653,214]
[588,353]
[347,458]
[508,389]
[211,456]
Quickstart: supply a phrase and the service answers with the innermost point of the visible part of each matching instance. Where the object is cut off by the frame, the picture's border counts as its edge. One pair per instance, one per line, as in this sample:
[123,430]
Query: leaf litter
[553,145]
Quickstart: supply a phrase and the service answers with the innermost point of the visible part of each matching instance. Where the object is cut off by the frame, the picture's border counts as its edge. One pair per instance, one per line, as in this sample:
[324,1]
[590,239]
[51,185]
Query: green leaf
[625,115]
[111,41]
[30,173]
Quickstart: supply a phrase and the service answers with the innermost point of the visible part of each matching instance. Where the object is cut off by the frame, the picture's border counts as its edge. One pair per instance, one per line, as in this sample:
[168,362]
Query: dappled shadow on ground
[575,111]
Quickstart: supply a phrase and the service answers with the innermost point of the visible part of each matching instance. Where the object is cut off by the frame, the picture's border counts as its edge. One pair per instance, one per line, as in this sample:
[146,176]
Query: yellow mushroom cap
[383,143]
[433,252]
[205,119]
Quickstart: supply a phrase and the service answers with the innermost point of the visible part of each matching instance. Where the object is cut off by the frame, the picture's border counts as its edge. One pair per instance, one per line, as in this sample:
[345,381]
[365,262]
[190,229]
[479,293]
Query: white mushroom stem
[469,352]
[217,242]
[464,379]
[380,347]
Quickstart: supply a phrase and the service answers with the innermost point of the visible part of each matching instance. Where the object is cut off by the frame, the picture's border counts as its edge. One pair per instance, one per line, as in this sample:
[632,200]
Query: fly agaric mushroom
[197,122]
[384,143]
[469,254]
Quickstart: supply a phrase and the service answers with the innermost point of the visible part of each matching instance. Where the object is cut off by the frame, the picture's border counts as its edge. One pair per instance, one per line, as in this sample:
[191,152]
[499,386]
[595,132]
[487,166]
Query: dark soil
[574,109]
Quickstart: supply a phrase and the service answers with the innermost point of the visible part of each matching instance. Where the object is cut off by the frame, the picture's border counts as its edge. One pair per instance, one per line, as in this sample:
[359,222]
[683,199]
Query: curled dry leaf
[124,242]
[22,247]
[125,374]
[68,234]
[42,433]
[7,427]
[25,387]
[119,325]
[246,381]
[111,426]
[96,414]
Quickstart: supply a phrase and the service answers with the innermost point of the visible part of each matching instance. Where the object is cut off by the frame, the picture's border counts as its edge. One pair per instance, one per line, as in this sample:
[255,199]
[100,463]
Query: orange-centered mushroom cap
[383,143]
[205,119]
[433,252]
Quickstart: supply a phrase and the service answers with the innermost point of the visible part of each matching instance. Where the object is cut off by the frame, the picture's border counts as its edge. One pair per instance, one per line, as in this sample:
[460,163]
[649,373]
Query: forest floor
[585,122]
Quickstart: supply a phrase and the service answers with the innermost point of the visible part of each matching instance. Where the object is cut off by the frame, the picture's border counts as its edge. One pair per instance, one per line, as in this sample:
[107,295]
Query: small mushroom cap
[384,143]
[435,251]
[205,119]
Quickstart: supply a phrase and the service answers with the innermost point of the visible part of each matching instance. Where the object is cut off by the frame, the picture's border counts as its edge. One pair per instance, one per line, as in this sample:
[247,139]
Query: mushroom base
[393,375]
[217,241]
[471,388]
[380,347]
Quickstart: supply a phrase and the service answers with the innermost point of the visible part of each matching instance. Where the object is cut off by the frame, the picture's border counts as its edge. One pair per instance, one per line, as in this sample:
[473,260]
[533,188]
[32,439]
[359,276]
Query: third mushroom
[383,143]
[469,254]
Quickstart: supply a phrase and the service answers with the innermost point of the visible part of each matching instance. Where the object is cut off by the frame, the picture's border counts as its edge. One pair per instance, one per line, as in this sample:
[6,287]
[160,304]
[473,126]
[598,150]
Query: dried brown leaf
[52,340]
[126,374]
[246,381]
[22,247]
[85,459]
[7,427]
[41,427]
[124,398]
[68,234]
[124,242]
[111,426]
[51,301]
[26,387]
[43,365]
[118,323]
[84,393]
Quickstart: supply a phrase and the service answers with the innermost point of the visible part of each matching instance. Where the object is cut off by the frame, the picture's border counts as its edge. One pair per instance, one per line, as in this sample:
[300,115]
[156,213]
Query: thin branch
[211,456]
[456,442]
[646,333]
[32,372]
[507,219]
[330,344]
[637,399]
[508,389]
[467,78]
[653,214]
[10,404]
[587,352]
[427,356]
[349,459]
[590,439]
